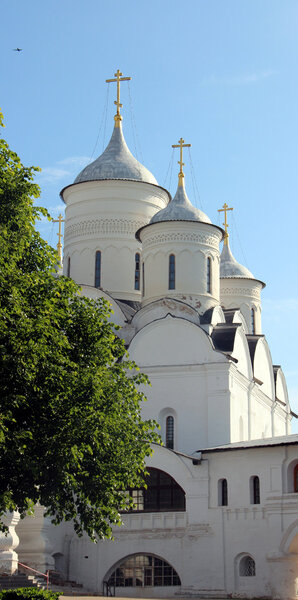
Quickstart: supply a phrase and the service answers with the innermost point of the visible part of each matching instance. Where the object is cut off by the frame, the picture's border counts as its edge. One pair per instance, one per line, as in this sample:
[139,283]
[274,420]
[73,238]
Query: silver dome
[180,209]
[116,162]
[229,267]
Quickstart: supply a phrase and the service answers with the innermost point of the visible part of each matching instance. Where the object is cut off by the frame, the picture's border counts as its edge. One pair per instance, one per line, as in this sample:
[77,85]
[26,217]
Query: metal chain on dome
[170,168]
[134,127]
[103,119]
[197,196]
[239,241]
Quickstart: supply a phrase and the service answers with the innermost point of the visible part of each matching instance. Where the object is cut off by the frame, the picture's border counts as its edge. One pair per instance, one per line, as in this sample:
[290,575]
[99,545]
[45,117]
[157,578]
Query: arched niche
[172,341]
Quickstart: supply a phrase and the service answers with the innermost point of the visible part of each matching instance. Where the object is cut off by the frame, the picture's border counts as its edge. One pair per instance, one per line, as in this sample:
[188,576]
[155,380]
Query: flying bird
[18,49]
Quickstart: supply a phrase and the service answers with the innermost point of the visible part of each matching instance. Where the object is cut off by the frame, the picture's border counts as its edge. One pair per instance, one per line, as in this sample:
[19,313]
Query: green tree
[71,433]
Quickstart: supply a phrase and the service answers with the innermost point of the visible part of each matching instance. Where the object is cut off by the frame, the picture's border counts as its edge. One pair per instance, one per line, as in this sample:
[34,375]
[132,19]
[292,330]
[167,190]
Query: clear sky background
[223,74]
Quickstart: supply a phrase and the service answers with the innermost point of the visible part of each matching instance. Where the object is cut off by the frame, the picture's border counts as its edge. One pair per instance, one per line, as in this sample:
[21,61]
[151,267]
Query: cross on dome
[225,209]
[119,78]
[60,220]
[181,145]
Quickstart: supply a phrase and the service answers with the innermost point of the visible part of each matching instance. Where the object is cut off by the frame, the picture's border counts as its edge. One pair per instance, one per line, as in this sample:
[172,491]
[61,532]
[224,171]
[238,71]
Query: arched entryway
[144,572]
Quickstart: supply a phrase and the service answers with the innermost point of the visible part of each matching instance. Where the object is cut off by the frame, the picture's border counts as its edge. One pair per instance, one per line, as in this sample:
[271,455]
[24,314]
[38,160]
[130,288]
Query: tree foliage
[71,433]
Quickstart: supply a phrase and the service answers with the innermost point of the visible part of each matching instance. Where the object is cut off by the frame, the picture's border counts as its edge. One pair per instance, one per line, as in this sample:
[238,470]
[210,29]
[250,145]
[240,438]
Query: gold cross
[225,210]
[181,145]
[60,220]
[119,78]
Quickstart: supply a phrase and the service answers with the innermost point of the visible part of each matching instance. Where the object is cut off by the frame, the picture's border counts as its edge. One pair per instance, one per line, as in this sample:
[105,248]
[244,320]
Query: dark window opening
[170,432]
[68,267]
[209,275]
[223,492]
[97,269]
[142,570]
[143,276]
[137,271]
[162,493]
[296,479]
[172,274]
[256,490]
[253,323]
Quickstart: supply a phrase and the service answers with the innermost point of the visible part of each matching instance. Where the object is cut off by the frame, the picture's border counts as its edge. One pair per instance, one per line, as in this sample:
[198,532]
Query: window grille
[97,269]
[137,271]
[144,570]
[209,275]
[247,567]
[162,493]
[256,490]
[68,267]
[170,432]
[172,274]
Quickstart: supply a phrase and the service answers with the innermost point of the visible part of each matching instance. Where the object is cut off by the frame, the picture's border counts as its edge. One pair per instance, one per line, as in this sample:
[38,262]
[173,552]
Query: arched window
[255,490]
[143,570]
[137,271]
[247,566]
[162,493]
[223,492]
[97,269]
[170,432]
[172,274]
[295,479]
[208,275]
[68,267]
[253,323]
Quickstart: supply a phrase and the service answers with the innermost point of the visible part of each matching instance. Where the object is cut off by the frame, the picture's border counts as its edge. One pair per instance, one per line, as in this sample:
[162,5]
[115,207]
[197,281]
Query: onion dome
[229,267]
[116,162]
[180,209]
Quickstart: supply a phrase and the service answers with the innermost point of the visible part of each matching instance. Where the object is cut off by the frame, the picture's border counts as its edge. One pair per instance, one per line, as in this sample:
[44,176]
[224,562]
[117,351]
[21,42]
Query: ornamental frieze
[102,227]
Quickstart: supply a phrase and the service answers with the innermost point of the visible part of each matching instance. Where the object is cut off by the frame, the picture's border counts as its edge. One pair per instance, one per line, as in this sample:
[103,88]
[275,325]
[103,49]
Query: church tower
[181,252]
[109,200]
[238,286]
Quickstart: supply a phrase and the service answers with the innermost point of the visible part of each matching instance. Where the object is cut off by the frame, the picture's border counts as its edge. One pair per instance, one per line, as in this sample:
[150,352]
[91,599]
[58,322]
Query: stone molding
[253,292]
[199,238]
[103,227]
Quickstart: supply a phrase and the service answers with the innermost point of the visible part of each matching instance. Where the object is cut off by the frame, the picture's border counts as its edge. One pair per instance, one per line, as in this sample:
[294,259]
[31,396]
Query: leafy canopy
[71,434]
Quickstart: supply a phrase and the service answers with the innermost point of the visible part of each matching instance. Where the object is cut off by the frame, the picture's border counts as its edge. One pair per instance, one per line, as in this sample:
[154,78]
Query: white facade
[222,407]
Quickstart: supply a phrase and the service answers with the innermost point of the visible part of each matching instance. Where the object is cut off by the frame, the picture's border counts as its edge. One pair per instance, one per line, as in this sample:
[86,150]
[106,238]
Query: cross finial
[181,145]
[225,209]
[119,78]
[60,220]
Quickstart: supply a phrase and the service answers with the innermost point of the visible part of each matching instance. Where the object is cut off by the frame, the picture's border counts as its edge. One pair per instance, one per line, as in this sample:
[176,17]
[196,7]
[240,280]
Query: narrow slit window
[143,278]
[172,274]
[137,271]
[223,492]
[98,269]
[68,267]
[170,432]
[253,321]
[296,479]
[209,275]
[256,490]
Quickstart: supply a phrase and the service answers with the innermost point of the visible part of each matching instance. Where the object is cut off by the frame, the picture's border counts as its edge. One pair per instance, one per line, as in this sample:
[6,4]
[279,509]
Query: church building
[219,516]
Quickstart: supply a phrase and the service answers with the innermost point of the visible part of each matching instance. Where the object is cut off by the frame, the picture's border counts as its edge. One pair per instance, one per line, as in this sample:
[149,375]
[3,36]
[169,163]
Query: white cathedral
[219,517]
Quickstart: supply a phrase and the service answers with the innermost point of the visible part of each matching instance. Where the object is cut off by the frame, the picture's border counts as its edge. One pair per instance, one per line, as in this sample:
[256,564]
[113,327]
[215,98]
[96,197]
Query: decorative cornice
[103,227]
[252,292]
[199,238]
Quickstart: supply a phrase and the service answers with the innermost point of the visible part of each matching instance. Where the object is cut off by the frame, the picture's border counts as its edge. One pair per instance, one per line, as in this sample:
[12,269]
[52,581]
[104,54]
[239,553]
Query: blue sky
[220,73]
